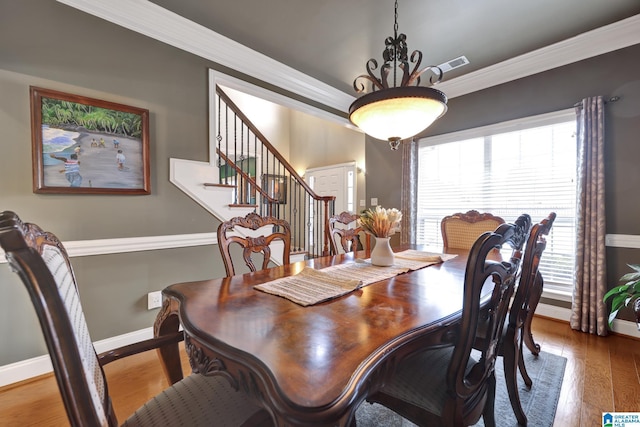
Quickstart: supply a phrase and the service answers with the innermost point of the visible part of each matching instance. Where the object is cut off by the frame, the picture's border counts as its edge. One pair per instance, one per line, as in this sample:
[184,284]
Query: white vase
[382,255]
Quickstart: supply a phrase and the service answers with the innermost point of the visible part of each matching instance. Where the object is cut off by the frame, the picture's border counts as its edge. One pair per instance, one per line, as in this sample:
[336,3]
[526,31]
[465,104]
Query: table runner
[312,286]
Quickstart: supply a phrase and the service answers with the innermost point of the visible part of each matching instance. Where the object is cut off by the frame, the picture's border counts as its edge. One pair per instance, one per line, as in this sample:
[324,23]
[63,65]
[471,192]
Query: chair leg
[534,298]
[488,412]
[510,359]
[523,368]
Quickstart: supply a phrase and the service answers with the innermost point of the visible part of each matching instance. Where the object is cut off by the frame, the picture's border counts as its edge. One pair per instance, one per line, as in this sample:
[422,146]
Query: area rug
[539,403]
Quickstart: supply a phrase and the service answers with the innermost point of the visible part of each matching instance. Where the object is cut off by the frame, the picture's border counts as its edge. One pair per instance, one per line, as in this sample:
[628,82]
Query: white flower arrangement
[381,222]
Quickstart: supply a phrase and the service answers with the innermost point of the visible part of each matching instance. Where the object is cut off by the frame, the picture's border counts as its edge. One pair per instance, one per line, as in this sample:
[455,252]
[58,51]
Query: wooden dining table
[313,365]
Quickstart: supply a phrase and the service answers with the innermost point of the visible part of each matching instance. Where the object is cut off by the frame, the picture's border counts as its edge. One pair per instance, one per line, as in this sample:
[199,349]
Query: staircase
[247,174]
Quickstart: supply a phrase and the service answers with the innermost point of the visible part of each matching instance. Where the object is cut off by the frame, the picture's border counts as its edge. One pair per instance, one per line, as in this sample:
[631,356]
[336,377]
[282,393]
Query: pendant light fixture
[397,112]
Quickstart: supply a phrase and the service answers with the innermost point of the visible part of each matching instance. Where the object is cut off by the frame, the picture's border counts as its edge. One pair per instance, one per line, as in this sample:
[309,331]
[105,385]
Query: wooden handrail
[270,147]
[268,201]
[249,179]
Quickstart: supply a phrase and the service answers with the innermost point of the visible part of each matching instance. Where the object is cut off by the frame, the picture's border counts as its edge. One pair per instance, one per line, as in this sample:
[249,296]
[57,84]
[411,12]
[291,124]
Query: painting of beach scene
[88,146]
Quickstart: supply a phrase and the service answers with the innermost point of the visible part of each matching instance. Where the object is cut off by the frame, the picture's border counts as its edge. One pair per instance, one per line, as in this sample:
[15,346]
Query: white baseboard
[553,312]
[622,327]
[25,369]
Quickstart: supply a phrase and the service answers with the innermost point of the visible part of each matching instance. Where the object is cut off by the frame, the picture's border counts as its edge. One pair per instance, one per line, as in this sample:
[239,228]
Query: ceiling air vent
[453,64]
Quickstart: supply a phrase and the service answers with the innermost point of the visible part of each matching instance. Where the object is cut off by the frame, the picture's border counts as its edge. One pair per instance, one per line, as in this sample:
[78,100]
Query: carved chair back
[449,386]
[518,328]
[530,283]
[469,386]
[345,234]
[42,263]
[460,230]
[255,234]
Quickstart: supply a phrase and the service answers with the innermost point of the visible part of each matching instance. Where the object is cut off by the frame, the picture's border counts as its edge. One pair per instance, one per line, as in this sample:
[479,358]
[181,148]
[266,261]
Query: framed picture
[87,146]
[276,187]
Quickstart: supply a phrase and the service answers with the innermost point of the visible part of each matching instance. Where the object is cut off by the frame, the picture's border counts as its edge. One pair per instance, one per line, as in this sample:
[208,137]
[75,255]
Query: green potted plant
[626,295]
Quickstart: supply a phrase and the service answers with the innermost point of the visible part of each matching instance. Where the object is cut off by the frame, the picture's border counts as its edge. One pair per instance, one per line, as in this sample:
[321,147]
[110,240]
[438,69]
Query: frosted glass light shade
[397,113]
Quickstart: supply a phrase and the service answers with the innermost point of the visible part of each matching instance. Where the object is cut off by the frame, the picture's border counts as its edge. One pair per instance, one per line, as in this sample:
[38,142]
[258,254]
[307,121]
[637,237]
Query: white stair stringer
[190,177]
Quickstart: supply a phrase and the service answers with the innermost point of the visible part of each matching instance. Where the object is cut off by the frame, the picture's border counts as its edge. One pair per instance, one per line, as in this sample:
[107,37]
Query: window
[522,166]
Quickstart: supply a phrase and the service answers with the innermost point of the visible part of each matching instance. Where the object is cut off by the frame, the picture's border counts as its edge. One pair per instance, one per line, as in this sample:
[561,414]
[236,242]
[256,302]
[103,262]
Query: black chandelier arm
[437,72]
[404,66]
[359,86]
[385,70]
[376,83]
[416,75]
[416,58]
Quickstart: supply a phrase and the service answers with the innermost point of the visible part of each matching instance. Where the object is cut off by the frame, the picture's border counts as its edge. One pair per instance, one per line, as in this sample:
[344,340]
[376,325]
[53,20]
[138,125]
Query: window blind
[524,166]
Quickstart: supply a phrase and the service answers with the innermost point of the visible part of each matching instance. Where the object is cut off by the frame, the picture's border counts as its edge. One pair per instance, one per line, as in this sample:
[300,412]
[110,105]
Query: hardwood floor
[602,374]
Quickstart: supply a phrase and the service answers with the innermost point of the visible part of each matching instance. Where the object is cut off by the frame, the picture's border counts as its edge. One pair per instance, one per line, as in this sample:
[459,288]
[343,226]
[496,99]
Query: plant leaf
[630,276]
[635,267]
[616,291]
[618,302]
[612,316]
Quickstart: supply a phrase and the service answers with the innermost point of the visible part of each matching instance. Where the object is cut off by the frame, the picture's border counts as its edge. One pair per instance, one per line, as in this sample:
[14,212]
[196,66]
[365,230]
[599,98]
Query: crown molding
[160,24]
[605,39]
[151,20]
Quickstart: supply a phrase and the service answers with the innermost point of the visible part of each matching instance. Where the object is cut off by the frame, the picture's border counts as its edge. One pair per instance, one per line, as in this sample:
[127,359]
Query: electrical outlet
[154,300]
[374,201]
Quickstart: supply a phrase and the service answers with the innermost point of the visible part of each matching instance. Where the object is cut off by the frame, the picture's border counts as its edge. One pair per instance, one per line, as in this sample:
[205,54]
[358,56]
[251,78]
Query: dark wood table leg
[168,322]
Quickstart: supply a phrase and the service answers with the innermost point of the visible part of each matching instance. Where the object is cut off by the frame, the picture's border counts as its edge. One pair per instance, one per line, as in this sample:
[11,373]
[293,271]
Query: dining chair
[345,234]
[450,386]
[460,230]
[255,234]
[42,263]
[518,326]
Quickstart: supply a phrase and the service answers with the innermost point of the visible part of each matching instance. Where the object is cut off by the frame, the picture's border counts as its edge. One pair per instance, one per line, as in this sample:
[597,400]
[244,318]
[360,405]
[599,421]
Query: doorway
[334,180]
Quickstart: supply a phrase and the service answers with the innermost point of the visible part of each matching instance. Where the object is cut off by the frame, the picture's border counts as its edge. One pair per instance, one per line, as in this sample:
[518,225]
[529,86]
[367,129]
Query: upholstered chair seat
[196,401]
[425,388]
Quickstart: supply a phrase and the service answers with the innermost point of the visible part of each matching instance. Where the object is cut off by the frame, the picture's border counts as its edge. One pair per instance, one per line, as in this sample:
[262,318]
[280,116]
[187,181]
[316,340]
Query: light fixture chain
[395,25]
[395,44]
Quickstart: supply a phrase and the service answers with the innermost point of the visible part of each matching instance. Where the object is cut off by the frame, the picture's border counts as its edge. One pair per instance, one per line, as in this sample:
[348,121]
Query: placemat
[312,286]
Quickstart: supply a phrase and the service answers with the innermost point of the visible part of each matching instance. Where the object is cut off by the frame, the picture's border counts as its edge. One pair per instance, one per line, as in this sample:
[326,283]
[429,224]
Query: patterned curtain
[588,311]
[408,192]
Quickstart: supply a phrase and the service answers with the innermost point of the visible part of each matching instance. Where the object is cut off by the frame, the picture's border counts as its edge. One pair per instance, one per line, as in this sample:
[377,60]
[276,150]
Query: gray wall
[50,45]
[47,44]
[615,73]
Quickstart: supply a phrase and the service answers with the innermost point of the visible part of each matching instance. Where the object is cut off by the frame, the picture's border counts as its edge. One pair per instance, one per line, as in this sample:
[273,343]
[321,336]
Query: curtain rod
[608,101]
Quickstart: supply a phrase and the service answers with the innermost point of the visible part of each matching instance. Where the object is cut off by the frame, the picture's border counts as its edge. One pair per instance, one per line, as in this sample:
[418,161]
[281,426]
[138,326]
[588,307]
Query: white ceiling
[317,48]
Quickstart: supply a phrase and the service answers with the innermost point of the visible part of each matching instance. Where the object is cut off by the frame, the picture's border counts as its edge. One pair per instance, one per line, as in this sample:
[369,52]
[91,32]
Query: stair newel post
[325,249]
